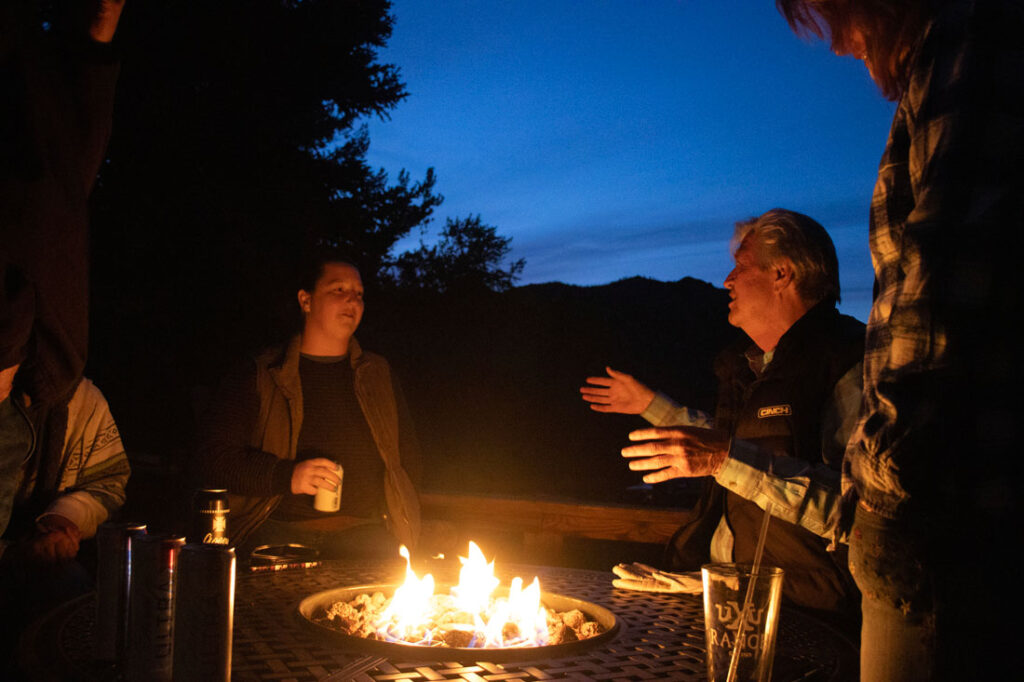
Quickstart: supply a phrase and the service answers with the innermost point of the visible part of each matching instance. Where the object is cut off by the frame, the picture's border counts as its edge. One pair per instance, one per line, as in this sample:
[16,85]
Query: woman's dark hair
[890,29]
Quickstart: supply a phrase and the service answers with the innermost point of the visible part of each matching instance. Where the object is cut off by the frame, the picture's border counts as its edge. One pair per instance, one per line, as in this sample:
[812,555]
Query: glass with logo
[741,610]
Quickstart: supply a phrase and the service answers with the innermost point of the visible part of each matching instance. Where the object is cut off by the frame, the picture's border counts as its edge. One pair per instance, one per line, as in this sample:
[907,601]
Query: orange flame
[414,613]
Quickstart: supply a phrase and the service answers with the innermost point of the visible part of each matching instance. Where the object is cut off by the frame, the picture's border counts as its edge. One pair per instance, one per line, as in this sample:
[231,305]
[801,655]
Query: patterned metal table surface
[661,635]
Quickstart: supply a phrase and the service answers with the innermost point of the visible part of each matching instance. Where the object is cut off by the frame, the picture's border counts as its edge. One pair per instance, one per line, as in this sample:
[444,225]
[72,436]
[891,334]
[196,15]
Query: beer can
[150,641]
[204,602]
[210,510]
[113,581]
[327,500]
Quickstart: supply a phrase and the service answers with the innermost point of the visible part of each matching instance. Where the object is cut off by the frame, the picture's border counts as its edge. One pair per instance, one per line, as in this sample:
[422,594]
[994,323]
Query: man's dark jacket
[253,430]
[781,411]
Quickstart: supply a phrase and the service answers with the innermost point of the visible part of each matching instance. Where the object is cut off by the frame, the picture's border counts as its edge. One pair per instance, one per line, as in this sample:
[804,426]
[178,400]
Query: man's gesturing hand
[677,452]
[310,474]
[616,392]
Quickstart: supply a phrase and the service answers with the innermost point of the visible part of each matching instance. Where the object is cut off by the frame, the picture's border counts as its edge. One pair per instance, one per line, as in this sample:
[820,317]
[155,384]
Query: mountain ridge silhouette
[492,378]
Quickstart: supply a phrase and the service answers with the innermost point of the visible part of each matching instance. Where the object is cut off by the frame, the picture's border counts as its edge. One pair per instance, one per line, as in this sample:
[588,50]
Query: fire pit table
[660,636]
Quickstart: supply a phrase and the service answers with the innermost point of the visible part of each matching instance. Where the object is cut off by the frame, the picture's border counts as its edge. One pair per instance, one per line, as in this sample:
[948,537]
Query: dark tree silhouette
[468,256]
[368,215]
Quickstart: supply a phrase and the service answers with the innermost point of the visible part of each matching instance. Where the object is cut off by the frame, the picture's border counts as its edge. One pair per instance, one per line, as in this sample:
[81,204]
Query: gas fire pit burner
[313,609]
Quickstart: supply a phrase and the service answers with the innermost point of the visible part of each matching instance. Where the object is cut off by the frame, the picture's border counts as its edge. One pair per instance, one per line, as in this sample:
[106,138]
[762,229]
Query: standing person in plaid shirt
[934,462]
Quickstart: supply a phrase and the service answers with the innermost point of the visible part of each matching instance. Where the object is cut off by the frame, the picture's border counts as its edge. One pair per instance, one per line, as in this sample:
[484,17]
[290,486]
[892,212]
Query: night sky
[612,138]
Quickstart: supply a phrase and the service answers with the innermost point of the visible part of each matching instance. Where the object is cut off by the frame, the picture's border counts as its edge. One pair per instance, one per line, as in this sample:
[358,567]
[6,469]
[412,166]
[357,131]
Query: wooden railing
[534,531]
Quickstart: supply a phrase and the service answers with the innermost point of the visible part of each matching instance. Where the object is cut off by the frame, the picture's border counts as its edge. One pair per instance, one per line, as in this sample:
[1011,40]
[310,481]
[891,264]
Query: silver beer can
[150,642]
[204,604]
[113,581]
[327,500]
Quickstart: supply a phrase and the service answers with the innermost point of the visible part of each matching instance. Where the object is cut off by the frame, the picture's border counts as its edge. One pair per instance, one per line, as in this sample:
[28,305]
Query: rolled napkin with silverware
[644,578]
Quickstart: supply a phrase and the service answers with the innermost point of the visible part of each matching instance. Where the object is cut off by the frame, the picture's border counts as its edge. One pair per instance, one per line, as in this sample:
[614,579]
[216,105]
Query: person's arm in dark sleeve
[224,457]
[93,88]
[92,67]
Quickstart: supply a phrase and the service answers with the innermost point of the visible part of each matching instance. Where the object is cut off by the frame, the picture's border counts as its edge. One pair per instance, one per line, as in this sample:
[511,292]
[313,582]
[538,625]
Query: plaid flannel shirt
[941,371]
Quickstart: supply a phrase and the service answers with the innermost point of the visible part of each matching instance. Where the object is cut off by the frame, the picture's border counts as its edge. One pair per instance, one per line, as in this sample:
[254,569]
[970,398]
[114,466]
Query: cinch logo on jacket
[774,411]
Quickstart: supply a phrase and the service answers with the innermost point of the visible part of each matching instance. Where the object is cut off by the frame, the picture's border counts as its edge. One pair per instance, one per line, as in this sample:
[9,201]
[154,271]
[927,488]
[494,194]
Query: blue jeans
[898,629]
[942,599]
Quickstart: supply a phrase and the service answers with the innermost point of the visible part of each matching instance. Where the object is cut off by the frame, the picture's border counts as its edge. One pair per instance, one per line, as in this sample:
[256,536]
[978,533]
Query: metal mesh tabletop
[661,635]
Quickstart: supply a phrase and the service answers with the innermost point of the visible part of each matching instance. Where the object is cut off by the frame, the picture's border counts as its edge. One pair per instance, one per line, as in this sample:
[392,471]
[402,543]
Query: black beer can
[113,581]
[210,517]
[150,641]
[204,603]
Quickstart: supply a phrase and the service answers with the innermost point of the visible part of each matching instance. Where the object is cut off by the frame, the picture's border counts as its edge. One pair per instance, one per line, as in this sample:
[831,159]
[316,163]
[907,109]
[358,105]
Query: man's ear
[783,274]
[304,299]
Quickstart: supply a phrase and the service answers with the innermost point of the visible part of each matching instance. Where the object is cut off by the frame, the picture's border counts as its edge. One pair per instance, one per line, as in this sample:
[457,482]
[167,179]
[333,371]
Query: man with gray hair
[786,405]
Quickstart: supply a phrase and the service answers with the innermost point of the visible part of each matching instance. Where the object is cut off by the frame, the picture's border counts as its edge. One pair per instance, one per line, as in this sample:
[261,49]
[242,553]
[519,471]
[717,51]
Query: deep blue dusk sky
[612,138]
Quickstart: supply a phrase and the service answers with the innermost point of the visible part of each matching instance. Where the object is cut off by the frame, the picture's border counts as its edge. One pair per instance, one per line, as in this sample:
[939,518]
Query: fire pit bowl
[316,604]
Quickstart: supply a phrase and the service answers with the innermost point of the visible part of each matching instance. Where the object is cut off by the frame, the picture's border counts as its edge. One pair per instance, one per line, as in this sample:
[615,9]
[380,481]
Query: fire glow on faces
[750,288]
[855,45]
[334,308]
